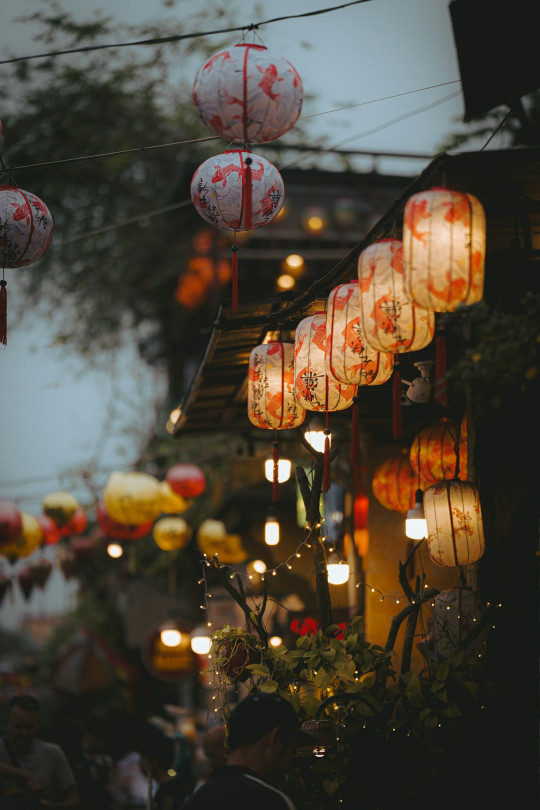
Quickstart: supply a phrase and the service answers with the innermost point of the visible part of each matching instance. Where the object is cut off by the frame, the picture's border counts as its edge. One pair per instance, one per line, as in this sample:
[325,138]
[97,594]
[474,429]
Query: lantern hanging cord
[179,37]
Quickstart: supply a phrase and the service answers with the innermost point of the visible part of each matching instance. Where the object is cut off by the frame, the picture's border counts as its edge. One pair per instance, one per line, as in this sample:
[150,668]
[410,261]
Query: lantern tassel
[327,463]
[440,393]
[3,312]
[275,480]
[355,432]
[234,291]
[397,425]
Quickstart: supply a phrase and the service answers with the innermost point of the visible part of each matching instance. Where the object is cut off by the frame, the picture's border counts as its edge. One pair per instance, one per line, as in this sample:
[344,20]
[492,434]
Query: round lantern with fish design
[237,191]
[247,93]
[26,229]
[272,402]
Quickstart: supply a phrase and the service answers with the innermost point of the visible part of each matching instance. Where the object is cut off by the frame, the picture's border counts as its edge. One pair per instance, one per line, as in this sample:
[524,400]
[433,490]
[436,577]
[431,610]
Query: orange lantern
[444,246]
[433,451]
[454,523]
[76,524]
[51,532]
[132,498]
[171,533]
[394,483]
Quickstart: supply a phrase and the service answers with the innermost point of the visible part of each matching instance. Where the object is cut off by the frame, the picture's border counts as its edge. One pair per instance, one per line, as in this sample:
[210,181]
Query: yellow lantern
[59,507]
[132,498]
[433,451]
[444,246]
[454,523]
[170,502]
[29,541]
[171,533]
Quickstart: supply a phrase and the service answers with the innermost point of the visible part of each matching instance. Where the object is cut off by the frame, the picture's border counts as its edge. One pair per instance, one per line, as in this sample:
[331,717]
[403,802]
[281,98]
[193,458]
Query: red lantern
[444,246]
[26,229]
[51,532]
[11,526]
[237,191]
[76,524]
[186,480]
[119,531]
[433,451]
[248,94]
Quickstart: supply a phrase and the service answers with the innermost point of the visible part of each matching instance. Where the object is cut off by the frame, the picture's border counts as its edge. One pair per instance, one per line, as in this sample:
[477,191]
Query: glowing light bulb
[284,469]
[271,531]
[171,637]
[415,522]
[115,550]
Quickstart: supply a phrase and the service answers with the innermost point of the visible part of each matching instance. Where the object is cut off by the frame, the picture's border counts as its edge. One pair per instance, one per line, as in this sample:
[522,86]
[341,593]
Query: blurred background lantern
[314,220]
[10,523]
[26,229]
[76,524]
[171,503]
[212,539]
[433,451]
[132,498]
[455,614]
[171,533]
[60,507]
[120,531]
[25,578]
[444,246]
[454,523]
[51,532]
[41,571]
[28,542]
[186,480]
[248,94]
[32,531]
[394,483]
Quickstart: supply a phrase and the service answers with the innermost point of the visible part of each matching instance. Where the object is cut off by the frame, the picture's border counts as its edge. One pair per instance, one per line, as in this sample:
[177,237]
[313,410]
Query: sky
[392,64]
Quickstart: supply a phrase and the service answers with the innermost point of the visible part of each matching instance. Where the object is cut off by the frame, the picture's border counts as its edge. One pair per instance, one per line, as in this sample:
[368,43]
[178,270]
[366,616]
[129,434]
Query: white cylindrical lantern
[349,357]
[444,247]
[454,523]
[248,93]
[455,613]
[391,321]
[237,191]
[315,390]
[272,403]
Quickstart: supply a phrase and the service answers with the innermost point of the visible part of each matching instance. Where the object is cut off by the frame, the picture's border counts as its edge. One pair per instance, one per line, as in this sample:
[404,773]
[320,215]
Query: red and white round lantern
[237,191]
[454,523]
[249,94]
[444,247]
[315,390]
[392,322]
[26,227]
[272,403]
[350,358]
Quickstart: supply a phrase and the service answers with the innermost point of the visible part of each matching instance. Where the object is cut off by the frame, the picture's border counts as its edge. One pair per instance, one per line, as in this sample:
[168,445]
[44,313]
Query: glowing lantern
[433,451]
[10,523]
[454,523]
[41,570]
[132,498]
[171,503]
[186,480]
[213,540]
[444,246]
[76,524]
[171,533]
[455,613]
[120,531]
[237,191]
[394,483]
[51,532]
[248,94]
[26,229]
[59,507]
[349,357]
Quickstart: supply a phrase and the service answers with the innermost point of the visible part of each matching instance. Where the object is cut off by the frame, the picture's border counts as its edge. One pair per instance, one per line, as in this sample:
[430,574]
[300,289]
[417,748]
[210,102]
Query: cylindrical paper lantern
[249,94]
[444,246]
[433,451]
[272,403]
[454,523]
[237,191]
[391,321]
[26,227]
[186,480]
[59,507]
[350,358]
[171,533]
[315,390]
[132,498]
[455,613]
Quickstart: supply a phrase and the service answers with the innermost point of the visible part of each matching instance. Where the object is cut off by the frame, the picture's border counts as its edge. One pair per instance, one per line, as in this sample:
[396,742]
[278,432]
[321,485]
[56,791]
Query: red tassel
[3,312]
[247,195]
[235,277]
[440,393]
[275,481]
[355,432]
[326,468]
[397,426]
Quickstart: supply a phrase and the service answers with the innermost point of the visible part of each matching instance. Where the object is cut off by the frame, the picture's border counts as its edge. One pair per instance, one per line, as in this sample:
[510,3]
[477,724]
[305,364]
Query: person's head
[263,733]
[22,722]
[214,748]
